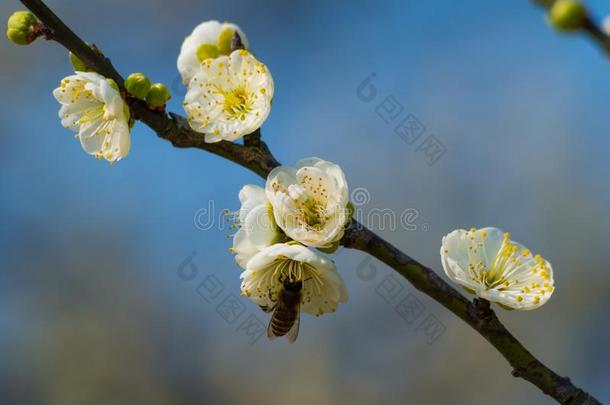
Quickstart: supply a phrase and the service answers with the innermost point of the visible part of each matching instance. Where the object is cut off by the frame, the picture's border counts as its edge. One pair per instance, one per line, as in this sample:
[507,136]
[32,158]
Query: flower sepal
[330,249]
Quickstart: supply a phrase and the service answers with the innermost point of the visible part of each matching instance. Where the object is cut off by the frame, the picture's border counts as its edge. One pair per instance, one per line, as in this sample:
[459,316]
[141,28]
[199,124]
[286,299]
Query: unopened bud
[567,15]
[158,95]
[20,28]
[138,85]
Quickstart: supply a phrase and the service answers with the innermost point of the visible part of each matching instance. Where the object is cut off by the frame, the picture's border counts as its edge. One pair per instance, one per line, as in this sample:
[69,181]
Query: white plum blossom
[310,201]
[256,226]
[229,97]
[209,39]
[487,263]
[322,291]
[92,106]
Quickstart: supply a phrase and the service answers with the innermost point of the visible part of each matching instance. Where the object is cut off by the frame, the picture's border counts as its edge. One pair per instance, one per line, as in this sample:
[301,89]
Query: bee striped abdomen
[282,321]
[286,315]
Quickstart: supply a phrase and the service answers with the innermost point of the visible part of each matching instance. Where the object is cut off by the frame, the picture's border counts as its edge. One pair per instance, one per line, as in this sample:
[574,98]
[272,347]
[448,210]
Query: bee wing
[270,333]
[293,333]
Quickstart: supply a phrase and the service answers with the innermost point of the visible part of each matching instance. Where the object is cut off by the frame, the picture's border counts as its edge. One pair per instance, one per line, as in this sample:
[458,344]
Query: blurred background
[115,281]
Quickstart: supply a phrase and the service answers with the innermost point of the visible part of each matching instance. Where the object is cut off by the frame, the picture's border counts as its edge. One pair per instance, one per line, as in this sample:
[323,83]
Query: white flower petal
[260,227]
[257,228]
[243,248]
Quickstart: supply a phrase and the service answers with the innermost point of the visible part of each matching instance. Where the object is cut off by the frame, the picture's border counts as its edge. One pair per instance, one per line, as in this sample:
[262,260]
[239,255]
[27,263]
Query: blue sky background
[92,309]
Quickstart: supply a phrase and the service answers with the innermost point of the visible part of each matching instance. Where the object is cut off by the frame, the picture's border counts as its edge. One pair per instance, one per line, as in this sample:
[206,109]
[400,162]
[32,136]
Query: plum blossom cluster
[229,92]
[300,208]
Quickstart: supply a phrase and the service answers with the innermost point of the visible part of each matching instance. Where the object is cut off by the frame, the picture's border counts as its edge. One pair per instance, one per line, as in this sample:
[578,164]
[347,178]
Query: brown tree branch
[255,155]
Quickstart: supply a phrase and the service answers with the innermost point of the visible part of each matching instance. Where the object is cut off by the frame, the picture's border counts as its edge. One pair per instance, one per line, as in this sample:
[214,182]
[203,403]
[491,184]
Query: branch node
[253,139]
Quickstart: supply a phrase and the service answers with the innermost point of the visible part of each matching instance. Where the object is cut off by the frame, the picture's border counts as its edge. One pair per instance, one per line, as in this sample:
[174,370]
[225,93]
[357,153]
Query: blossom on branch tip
[310,201]
[322,286]
[256,226]
[209,39]
[229,97]
[487,263]
[91,105]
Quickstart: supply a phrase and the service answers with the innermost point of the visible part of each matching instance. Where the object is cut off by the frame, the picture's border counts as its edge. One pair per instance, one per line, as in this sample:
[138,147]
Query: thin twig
[255,155]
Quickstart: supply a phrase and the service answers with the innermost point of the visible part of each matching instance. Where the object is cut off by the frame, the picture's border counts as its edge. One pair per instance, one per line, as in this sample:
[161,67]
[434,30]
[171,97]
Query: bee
[286,315]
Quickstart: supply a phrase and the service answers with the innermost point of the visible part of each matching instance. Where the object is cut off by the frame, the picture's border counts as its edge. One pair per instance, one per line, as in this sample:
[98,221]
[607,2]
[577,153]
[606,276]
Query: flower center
[237,103]
[92,114]
[282,270]
[313,213]
[505,259]
[505,263]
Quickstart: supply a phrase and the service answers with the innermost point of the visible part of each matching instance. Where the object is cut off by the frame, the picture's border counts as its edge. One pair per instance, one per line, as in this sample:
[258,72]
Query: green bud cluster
[20,28]
[140,87]
[567,15]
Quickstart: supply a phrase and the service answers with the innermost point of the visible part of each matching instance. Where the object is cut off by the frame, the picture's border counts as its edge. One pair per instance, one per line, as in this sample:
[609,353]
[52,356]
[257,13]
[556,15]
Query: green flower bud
[18,37]
[158,95]
[20,27]
[206,51]
[138,85]
[224,40]
[567,15]
[21,20]
[77,64]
